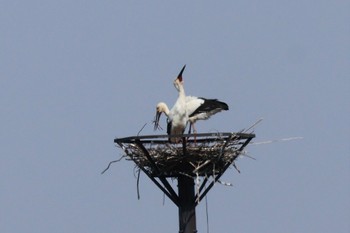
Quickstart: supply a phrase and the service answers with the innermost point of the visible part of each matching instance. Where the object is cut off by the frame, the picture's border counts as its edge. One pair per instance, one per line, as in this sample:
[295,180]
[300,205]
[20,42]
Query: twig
[257,122]
[245,154]
[276,140]
[185,174]
[200,166]
[157,126]
[207,213]
[141,129]
[137,184]
[234,165]
[224,183]
[197,185]
[111,163]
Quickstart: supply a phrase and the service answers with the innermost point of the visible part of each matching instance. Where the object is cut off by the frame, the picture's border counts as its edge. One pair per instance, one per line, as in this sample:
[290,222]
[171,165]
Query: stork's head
[161,107]
[178,81]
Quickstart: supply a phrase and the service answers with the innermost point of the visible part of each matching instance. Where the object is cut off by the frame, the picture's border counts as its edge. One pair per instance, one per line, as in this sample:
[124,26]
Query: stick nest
[169,160]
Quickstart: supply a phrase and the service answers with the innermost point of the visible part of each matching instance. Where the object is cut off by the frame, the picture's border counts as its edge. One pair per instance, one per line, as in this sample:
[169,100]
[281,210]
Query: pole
[187,207]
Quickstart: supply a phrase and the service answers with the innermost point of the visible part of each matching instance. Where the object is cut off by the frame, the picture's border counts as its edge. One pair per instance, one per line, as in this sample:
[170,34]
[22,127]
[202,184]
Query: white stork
[189,109]
[177,116]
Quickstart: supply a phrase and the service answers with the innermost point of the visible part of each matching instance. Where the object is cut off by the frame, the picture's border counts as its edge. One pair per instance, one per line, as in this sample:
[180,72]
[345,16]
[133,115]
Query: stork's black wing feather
[168,128]
[209,105]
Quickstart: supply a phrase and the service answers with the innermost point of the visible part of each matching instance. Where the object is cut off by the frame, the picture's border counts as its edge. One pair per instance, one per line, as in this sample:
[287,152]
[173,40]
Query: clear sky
[76,74]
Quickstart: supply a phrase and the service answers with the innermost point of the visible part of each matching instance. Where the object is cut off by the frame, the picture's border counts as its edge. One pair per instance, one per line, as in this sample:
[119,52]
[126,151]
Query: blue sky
[75,75]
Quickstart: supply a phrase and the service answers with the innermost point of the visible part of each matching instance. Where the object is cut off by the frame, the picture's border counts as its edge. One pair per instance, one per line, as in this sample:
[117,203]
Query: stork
[177,116]
[189,108]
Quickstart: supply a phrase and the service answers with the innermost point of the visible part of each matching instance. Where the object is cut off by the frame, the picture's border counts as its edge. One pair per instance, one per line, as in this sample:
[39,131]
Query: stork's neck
[181,90]
[166,110]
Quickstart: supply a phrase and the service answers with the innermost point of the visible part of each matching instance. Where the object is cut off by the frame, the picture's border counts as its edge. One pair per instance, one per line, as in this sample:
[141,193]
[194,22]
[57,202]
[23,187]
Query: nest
[207,155]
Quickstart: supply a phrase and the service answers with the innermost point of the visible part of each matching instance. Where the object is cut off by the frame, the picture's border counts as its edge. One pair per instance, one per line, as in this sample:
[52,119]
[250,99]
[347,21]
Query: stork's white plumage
[199,108]
[177,116]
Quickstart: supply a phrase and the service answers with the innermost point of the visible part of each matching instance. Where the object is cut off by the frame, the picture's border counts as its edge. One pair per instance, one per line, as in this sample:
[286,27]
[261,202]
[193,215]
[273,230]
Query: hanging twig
[245,154]
[207,213]
[197,184]
[137,183]
[234,165]
[111,163]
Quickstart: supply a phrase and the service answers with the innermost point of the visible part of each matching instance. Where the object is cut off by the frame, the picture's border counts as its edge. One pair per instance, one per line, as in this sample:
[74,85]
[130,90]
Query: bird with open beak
[177,116]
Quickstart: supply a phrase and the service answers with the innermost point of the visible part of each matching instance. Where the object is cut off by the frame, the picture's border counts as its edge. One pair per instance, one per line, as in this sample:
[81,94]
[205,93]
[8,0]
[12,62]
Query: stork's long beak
[179,77]
[156,120]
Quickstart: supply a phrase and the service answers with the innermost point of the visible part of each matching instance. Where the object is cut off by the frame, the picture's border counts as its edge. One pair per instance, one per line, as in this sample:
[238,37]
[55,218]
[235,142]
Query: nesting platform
[206,155]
